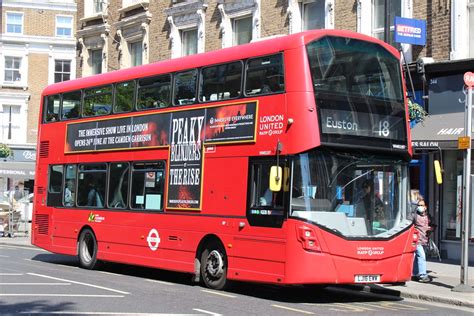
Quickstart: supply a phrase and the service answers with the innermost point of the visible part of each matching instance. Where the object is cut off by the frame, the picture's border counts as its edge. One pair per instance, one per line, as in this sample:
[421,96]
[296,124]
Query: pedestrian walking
[422,225]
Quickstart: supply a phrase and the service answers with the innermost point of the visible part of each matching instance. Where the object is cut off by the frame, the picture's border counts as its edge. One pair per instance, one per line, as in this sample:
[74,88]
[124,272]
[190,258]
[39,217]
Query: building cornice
[41,5]
[29,39]
[144,17]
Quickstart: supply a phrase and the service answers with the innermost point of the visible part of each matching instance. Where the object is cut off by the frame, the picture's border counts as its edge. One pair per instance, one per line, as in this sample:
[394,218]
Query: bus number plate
[367,278]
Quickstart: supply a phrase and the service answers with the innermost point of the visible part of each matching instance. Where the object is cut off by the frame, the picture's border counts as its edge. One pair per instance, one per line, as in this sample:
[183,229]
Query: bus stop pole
[466,204]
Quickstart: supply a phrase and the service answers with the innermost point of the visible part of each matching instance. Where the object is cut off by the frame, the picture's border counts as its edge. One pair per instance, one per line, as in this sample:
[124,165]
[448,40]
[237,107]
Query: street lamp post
[466,204]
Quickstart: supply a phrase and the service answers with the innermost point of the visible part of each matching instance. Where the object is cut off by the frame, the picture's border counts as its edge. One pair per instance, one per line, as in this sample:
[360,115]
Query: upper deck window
[349,66]
[124,96]
[71,105]
[221,82]
[185,87]
[97,101]
[154,92]
[265,75]
[52,108]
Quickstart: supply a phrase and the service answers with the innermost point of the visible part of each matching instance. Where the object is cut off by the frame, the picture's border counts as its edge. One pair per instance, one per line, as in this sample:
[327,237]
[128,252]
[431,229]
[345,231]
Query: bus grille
[44,149]
[42,220]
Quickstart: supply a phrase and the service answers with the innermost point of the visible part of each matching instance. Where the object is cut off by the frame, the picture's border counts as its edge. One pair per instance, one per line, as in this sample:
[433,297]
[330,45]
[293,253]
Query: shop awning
[439,130]
[17,170]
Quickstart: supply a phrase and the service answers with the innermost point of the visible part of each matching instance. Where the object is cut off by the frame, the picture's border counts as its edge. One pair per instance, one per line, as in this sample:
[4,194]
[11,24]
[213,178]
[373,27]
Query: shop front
[437,139]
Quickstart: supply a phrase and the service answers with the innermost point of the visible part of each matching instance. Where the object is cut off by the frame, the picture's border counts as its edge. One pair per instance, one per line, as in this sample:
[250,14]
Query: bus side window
[97,101]
[265,75]
[147,186]
[52,104]
[55,185]
[124,96]
[261,195]
[69,189]
[71,105]
[221,82]
[91,185]
[185,87]
[118,184]
[154,92]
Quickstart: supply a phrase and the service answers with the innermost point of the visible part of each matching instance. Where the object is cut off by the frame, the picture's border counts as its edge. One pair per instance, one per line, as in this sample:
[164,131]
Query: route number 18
[384,128]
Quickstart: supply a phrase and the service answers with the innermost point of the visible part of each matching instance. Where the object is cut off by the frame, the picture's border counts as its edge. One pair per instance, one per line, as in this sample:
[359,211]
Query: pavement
[445,276]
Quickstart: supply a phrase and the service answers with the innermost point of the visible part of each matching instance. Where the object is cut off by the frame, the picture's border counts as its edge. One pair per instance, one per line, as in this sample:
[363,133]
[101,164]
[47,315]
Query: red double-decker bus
[281,161]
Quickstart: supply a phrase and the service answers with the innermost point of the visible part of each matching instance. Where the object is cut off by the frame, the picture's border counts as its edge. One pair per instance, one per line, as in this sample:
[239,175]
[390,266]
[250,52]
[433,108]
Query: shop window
[91,185]
[154,92]
[118,184]
[97,101]
[147,186]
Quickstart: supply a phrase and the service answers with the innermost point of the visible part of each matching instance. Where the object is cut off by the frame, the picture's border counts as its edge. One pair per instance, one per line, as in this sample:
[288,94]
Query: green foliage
[5,151]
[416,112]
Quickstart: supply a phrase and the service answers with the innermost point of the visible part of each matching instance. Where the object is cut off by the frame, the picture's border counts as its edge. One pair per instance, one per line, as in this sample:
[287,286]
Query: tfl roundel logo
[153,239]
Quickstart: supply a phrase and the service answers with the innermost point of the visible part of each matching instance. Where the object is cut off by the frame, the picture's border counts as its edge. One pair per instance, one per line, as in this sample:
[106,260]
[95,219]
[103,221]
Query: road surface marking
[293,309]
[62,295]
[20,247]
[205,312]
[35,283]
[349,307]
[160,282]
[218,293]
[95,313]
[4,274]
[2,256]
[80,283]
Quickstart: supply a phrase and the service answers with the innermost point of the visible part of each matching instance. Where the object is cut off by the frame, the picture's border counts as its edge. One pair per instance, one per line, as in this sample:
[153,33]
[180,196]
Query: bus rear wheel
[87,249]
[214,266]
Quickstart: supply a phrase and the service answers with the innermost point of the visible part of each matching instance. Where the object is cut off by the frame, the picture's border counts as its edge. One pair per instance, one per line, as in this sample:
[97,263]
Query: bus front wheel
[214,266]
[87,249]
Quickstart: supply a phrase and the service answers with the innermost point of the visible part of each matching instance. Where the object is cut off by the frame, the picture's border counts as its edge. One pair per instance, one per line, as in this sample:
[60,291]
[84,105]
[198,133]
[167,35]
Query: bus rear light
[307,237]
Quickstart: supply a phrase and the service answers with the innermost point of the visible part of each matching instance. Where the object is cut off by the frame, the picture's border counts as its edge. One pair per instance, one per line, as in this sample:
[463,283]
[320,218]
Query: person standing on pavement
[422,225]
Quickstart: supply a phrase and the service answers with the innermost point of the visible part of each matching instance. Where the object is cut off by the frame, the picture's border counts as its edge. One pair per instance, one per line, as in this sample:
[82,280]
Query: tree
[416,112]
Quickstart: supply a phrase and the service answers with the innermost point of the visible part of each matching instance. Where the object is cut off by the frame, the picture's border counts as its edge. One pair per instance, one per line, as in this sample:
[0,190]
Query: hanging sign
[410,31]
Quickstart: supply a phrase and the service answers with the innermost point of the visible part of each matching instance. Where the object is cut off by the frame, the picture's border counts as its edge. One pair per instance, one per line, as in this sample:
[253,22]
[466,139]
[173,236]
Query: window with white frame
[96,61]
[12,69]
[378,20]
[63,26]
[10,120]
[98,6]
[62,70]
[242,30]
[136,53]
[189,42]
[15,22]
[470,7]
[313,14]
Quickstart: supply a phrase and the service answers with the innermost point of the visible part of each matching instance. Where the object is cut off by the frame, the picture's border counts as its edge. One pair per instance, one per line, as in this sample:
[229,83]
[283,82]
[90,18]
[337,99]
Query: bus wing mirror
[275,178]
[438,172]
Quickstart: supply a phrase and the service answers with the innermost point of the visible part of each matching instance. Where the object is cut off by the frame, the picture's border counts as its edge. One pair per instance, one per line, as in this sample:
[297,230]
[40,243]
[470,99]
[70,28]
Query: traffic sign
[469,79]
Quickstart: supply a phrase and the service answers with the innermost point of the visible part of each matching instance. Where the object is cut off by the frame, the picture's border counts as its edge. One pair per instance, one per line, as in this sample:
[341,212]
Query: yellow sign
[464,142]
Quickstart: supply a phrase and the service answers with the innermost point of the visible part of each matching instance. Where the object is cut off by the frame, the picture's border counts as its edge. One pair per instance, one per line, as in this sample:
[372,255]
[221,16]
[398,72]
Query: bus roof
[258,48]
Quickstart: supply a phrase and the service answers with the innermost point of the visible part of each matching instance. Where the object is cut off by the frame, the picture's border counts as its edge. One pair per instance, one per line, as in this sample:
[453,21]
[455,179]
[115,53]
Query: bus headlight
[307,236]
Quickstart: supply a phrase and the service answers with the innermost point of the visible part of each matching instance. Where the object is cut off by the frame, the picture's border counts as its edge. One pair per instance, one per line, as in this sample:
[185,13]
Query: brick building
[115,34]
[37,48]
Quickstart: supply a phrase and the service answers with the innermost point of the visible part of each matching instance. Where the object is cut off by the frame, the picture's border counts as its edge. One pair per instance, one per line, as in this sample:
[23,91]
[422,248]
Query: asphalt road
[33,281]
